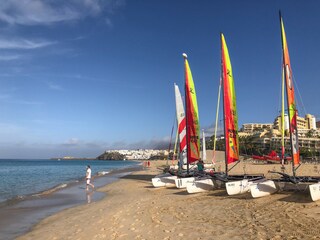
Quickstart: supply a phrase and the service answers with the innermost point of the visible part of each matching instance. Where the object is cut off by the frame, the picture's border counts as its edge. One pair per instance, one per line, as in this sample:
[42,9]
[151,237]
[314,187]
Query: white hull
[315,191]
[164,180]
[200,185]
[182,182]
[238,187]
[263,188]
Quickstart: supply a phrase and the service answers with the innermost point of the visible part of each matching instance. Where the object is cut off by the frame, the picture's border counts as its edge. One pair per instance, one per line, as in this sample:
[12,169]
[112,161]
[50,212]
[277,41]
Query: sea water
[27,177]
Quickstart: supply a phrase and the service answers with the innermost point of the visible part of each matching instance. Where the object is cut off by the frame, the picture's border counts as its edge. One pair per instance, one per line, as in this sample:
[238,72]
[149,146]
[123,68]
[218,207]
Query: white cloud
[14,145]
[10,132]
[26,149]
[4,96]
[54,86]
[23,44]
[10,57]
[26,102]
[34,12]
[109,22]
[73,141]
[9,99]
[44,12]
[209,130]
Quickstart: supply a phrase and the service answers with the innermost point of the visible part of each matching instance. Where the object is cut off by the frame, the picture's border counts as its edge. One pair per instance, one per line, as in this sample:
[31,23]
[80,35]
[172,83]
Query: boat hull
[182,182]
[164,180]
[200,185]
[238,187]
[315,191]
[262,188]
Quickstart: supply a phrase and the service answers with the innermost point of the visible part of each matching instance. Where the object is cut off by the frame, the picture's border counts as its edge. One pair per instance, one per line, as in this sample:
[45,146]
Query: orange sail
[229,106]
[292,108]
[192,116]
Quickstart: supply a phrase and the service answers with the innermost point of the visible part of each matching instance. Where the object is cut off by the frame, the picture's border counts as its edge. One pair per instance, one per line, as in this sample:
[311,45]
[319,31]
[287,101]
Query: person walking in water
[88,178]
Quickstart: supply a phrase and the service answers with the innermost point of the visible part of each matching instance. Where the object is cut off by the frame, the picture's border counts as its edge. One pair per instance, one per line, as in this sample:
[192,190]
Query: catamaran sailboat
[188,132]
[230,133]
[263,189]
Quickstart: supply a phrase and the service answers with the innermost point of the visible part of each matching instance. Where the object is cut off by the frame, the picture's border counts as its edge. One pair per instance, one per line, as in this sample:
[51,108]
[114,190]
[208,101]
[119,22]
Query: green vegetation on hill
[111,156]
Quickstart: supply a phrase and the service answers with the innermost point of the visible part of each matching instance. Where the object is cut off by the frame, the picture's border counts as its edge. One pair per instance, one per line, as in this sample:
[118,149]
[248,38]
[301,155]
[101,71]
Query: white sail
[181,119]
[204,151]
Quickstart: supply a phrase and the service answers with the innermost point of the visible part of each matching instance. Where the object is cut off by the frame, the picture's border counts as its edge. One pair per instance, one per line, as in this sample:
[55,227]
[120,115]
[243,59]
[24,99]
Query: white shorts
[88,180]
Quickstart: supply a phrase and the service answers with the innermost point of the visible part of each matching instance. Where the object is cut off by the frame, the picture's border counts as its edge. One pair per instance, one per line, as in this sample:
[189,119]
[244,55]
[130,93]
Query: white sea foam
[102,173]
[63,185]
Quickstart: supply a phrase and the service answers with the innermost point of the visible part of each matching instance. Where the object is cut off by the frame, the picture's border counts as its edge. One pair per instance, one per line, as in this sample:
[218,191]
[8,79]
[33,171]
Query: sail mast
[204,153]
[175,147]
[187,107]
[282,120]
[292,110]
[192,117]
[224,111]
[167,163]
[216,126]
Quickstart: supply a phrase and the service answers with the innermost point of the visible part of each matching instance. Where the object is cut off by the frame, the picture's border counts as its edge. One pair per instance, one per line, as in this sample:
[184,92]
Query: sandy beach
[134,209]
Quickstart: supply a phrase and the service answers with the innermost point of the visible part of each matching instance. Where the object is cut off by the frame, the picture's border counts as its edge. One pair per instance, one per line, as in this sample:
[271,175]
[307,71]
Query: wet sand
[133,209]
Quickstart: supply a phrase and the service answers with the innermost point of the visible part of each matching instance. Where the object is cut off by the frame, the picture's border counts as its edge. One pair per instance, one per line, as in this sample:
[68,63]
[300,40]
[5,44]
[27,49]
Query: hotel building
[268,135]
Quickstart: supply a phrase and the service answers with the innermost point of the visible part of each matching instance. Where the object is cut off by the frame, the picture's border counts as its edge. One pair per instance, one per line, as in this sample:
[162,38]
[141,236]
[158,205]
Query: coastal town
[263,135]
[138,154]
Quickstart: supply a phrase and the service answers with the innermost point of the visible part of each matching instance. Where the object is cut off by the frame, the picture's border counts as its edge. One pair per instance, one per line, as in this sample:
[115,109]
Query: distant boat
[272,157]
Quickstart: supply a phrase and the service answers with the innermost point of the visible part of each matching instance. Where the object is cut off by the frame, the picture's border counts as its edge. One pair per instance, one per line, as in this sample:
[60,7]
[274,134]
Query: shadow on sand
[219,193]
[141,177]
[183,193]
[296,197]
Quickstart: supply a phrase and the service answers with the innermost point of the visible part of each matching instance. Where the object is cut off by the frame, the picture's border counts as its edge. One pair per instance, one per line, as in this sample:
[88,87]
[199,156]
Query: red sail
[192,117]
[229,106]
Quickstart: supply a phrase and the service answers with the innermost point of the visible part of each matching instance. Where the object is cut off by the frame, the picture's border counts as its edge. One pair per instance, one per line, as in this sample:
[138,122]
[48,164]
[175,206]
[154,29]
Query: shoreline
[65,185]
[23,214]
[134,209]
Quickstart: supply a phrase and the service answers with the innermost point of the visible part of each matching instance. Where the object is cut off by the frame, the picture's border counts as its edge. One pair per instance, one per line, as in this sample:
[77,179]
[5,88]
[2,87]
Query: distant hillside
[111,156]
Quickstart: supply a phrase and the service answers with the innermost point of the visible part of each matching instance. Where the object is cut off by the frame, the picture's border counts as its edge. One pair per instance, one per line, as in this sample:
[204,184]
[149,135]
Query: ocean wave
[51,190]
[102,173]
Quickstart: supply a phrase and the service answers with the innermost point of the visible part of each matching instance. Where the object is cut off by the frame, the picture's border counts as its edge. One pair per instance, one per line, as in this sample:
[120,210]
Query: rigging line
[234,165]
[174,121]
[280,92]
[216,123]
[175,146]
[297,87]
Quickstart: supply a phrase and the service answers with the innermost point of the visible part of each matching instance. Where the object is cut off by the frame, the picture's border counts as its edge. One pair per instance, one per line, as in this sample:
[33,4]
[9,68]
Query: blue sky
[78,77]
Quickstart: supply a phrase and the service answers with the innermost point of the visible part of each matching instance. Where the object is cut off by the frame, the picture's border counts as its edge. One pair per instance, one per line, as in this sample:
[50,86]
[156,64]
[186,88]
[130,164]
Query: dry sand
[133,209]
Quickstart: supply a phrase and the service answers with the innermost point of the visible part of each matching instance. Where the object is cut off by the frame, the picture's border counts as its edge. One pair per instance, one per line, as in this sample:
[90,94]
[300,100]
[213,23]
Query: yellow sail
[229,106]
[192,116]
